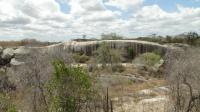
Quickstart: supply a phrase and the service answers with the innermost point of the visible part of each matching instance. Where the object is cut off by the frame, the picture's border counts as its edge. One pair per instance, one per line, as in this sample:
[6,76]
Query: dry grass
[130,89]
[10,43]
[6,44]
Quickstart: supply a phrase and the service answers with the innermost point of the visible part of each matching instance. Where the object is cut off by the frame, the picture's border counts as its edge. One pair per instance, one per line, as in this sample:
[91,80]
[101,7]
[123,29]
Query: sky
[62,20]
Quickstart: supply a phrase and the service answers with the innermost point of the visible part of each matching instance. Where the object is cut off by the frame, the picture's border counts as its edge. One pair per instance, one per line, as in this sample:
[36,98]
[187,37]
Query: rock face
[138,47]
[5,57]
[88,48]
[9,56]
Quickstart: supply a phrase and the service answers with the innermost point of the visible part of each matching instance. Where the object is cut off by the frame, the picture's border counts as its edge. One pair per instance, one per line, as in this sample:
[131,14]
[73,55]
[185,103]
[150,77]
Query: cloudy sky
[59,20]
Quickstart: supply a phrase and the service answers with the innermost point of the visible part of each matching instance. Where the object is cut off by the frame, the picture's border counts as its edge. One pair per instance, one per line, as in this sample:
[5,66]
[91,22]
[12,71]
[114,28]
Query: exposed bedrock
[88,48]
[12,56]
[15,56]
[138,47]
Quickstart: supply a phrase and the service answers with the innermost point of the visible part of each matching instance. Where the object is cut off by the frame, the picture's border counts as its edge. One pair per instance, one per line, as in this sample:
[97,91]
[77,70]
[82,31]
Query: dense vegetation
[68,89]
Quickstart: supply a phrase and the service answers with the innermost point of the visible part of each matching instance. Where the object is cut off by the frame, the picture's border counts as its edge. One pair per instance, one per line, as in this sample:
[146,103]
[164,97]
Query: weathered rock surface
[153,91]
[21,51]
[84,47]
[157,104]
[14,62]
[91,46]
[109,80]
[7,53]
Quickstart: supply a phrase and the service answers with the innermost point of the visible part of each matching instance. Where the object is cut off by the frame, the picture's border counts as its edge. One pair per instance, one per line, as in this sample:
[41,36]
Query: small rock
[2,70]
[146,92]
[15,62]
[161,90]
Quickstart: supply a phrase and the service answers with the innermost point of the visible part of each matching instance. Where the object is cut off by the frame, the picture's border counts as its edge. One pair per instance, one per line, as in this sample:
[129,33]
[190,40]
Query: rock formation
[15,56]
[12,56]
[137,46]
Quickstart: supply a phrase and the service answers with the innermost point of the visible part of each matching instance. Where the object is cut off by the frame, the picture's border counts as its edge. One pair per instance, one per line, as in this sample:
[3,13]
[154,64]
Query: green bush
[68,89]
[12,108]
[6,104]
[131,53]
[107,55]
[150,58]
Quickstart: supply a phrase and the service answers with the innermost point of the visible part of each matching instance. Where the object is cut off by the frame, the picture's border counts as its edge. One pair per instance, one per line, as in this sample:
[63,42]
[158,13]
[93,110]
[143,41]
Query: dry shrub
[184,74]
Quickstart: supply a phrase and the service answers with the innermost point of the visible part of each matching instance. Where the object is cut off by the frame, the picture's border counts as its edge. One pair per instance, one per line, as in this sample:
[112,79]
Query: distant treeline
[25,42]
[109,36]
[190,38]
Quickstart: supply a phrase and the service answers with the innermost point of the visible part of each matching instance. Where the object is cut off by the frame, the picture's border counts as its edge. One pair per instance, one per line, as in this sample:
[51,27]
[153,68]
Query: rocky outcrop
[137,46]
[12,56]
[88,48]
[21,51]
[7,53]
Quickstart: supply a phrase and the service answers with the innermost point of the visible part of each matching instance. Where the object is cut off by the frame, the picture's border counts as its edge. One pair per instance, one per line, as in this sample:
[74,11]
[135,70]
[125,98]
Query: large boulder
[8,53]
[21,51]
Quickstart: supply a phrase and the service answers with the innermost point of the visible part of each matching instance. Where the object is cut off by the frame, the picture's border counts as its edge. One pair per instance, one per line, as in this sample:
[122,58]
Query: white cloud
[43,19]
[91,10]
[162,22]
[33,16]
[124,4]
[82,7]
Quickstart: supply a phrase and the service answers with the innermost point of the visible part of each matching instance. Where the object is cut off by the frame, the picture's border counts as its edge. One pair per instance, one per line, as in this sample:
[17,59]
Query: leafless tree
[31,77]
[183,73]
